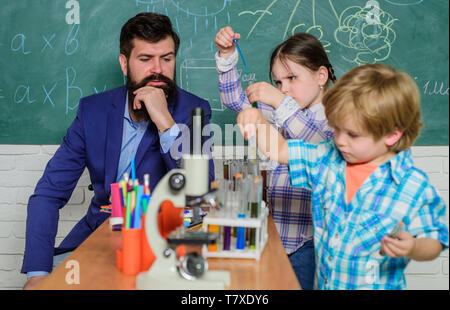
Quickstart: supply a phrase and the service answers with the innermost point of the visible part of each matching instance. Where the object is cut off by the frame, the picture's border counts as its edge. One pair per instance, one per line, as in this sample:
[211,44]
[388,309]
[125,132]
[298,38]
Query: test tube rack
[259,223]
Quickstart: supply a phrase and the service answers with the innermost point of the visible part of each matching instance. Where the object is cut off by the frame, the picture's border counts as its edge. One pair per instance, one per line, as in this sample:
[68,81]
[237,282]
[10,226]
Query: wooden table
[97,266]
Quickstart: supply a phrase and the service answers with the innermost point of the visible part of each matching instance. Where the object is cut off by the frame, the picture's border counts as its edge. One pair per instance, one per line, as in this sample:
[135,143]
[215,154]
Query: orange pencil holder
[148,257]
[131,251]
[136,254]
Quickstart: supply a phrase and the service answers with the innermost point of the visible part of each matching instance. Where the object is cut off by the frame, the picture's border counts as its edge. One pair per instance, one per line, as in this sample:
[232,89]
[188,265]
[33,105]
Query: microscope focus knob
[192,266]
[177,181]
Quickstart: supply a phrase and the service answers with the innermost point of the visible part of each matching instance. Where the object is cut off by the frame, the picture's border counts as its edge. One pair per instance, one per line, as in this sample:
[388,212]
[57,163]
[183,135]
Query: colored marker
[133,207]
[123,191]
[116,202]
[128,212]
[145,203]
[240,53]
[147,184]
[136,185]
[133,171]
[138,207]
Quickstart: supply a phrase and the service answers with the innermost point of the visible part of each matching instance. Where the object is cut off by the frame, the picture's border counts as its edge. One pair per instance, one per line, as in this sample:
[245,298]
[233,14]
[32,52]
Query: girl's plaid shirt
[290,206]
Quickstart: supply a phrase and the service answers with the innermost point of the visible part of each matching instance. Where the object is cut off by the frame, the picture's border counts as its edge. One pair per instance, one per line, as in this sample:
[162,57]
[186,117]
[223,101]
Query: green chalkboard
[48,60]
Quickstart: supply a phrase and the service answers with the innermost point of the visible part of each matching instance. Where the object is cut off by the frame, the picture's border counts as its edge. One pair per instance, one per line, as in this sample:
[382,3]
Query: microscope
[187,187]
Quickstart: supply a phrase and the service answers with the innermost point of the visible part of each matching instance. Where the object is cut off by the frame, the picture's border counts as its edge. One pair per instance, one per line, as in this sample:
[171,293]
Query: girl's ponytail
[331,74]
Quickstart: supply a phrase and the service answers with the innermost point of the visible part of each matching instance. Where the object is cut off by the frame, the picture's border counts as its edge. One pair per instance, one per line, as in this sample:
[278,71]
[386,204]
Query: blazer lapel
[149,142]
[114,133]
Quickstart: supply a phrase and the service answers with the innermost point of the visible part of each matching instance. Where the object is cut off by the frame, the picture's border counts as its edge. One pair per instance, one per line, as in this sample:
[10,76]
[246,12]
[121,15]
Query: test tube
[234,170]
[255,207]
[226,169]
[213,213]
[253,167]
[213,229]
[252,149]
[197,124]
[224,189]
[241,196]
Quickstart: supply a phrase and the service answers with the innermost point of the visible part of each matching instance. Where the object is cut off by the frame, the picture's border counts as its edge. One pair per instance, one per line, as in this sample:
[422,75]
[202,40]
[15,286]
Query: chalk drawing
[254,13]
[404,2]
[264,12]
[192,79]
[195,5]
[367,31]
[370,42]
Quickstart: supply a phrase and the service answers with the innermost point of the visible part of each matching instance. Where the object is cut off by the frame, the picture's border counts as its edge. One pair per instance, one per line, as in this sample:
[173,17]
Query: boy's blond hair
[381,99]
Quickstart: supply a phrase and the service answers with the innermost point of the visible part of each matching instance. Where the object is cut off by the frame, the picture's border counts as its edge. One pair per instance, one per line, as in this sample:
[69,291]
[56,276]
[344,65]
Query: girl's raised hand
[224,41]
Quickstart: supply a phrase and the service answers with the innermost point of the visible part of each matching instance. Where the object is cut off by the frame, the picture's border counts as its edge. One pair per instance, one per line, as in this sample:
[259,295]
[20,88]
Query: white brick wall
[21,166]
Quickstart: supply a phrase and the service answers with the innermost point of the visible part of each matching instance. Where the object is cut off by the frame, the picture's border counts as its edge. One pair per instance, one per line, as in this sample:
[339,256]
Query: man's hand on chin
[155,102]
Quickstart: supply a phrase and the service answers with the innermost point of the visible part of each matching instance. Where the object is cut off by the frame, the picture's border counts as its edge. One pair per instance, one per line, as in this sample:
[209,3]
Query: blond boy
[363,182]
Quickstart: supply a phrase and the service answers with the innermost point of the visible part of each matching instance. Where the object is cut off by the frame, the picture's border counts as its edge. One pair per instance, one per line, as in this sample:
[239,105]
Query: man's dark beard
[169,91]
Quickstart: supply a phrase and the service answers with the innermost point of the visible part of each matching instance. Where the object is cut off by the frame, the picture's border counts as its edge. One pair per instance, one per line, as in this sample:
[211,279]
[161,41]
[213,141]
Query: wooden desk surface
[97,261]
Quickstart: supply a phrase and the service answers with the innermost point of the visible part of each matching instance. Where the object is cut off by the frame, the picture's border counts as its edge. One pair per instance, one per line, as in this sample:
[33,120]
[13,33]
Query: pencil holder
[148,257]
[131,250]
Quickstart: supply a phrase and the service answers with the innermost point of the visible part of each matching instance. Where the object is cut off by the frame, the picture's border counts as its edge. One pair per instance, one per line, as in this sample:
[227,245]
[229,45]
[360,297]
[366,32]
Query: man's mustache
[168,88]
[154,78]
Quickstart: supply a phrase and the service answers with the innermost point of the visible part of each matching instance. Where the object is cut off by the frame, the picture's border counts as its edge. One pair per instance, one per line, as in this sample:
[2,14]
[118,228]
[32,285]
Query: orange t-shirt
[355,175]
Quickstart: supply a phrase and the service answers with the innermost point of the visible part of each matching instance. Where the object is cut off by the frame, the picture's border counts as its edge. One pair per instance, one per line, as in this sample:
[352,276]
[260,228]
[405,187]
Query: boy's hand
[265,93]
[403,245]
[252,123]
[248,120]
[224,41]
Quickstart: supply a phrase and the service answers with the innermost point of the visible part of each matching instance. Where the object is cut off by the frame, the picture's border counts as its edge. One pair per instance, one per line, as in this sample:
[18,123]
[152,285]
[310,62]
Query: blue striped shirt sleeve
[429,221]
[301,155]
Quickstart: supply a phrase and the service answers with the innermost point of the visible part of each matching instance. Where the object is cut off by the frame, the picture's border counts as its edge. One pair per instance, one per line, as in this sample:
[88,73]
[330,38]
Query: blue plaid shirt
[347,236]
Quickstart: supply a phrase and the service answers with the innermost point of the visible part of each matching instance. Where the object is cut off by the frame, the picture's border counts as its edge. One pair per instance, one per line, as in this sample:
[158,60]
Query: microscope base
[154,280]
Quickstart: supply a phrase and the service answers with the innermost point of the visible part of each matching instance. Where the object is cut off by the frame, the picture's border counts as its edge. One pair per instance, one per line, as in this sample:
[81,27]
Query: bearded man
[139,121]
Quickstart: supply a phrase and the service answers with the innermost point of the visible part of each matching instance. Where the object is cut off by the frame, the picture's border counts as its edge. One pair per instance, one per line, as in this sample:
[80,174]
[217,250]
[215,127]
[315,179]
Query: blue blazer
[94,140]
